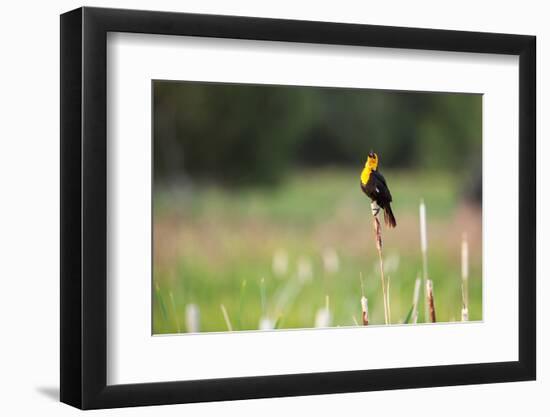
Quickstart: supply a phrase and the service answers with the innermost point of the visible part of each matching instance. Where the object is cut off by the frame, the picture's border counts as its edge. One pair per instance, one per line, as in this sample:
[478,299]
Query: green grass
[214,246]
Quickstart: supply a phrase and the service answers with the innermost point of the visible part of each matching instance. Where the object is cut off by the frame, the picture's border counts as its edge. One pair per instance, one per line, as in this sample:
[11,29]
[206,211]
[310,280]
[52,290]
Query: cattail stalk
[226,318]
[424,250]
[430,300]
[378,237]
[465,273]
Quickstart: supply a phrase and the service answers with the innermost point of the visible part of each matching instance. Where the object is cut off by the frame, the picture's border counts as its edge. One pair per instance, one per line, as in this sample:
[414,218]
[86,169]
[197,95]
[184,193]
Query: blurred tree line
[244,134]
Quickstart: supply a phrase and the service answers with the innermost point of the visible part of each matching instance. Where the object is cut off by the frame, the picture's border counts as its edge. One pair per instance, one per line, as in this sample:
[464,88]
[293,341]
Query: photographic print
[293,207]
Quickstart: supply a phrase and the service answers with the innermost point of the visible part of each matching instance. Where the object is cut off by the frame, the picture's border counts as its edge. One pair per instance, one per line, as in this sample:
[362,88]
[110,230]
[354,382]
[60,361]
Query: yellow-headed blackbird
[374,186]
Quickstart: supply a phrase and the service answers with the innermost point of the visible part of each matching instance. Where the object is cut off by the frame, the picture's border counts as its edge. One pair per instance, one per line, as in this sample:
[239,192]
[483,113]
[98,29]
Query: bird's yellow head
[372,161]
[370,165]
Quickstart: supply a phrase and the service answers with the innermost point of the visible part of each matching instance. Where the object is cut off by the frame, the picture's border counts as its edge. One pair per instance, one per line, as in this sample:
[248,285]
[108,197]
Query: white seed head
[464,314]
[364,304]
[429,287]
[323,318]
[365,309]
[192,318]
[423,232]
[266,324]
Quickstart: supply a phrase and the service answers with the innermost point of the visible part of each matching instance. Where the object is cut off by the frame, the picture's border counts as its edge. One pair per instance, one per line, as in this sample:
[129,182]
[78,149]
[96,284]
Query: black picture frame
[84,207]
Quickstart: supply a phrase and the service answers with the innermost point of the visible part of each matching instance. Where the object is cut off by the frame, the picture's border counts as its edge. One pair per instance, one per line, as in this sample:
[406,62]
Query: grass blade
[226,318]
[409,315]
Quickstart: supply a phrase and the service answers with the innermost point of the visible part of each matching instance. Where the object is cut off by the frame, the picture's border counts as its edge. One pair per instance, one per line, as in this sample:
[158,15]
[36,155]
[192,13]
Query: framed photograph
[257,208]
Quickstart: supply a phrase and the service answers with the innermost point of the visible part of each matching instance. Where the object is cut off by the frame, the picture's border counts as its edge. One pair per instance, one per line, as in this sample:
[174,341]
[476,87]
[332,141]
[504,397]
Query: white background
[29,225]
[134,356]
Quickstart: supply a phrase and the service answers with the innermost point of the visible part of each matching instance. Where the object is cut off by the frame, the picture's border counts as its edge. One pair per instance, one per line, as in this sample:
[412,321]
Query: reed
[430,300]
[378,239]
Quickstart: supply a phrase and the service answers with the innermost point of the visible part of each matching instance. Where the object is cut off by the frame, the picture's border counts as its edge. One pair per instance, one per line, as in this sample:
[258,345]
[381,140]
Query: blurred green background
[257,204]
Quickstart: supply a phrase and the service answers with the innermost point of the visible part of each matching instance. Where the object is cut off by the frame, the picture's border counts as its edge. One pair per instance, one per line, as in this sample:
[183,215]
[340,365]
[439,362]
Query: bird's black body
[377,190]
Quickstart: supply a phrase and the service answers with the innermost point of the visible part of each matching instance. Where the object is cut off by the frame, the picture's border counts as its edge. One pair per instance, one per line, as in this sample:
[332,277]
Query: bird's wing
[381,186]
[379,177]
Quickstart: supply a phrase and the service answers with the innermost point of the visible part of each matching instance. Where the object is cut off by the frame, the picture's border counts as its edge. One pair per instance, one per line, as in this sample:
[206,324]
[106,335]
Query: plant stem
[226,318]
[416,296]
[378,238]
[430,300]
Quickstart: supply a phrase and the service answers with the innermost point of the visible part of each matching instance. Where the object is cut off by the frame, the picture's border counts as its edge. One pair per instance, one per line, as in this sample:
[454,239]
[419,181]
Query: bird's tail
[389,218]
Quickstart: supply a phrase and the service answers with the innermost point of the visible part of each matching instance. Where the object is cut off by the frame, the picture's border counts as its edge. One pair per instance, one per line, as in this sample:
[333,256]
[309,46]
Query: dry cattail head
[365,310]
